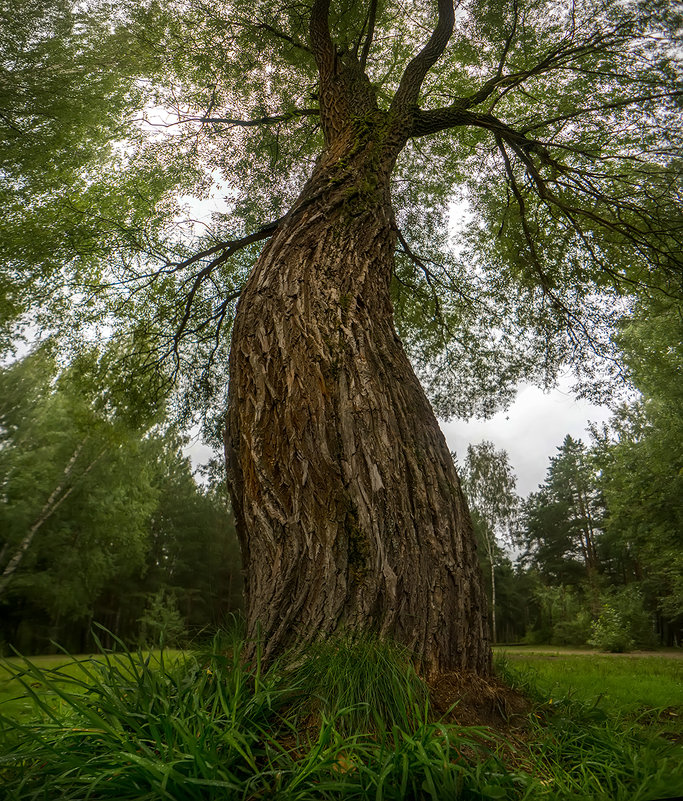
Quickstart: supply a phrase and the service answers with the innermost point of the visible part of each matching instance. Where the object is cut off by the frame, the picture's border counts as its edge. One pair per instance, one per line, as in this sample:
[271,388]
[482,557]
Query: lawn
[20,684]
[622,684]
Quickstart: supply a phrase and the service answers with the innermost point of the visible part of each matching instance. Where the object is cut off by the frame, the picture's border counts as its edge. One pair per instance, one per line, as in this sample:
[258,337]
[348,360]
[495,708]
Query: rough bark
[347,504]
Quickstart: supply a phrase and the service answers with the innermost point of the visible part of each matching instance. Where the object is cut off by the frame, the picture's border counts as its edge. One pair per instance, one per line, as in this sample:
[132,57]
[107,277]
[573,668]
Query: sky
[530,430]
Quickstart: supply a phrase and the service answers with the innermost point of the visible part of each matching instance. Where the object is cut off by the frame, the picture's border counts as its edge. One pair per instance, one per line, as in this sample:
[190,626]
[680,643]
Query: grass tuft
[368,684]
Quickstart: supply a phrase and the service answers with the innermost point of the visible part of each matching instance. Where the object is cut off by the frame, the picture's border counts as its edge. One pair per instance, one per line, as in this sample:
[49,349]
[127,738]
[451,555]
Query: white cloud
[530,430]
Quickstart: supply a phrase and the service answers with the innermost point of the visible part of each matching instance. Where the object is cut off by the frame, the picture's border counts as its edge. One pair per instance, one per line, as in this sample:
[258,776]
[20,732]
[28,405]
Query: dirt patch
[553,652]
[471,700]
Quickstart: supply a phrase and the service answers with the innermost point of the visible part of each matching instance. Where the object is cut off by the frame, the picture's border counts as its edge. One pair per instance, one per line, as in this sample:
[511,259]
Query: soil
[470,700]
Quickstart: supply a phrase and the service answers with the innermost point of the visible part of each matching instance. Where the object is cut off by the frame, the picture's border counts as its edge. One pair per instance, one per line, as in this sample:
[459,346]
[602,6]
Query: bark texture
[348,508]
[347,504]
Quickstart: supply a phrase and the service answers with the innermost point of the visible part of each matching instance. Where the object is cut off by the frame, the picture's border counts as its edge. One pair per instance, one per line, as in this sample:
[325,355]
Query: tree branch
[372,17]
[436,120]
[431,278]
[280,35]
[226,250]
[604,107]
[509,40]
[321,41]
[408,91]
[286,117]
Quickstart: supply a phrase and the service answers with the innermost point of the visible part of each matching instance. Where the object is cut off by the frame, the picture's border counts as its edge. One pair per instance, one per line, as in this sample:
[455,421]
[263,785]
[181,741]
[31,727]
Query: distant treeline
[600,544]
[103,522]
[101,519]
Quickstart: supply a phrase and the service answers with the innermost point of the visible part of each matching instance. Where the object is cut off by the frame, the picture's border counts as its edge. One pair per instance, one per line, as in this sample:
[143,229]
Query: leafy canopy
[547,128]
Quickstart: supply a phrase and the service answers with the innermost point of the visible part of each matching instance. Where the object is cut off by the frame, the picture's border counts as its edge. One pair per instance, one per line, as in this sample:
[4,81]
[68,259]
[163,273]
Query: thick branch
[434,120]
[321,41]
[408,91]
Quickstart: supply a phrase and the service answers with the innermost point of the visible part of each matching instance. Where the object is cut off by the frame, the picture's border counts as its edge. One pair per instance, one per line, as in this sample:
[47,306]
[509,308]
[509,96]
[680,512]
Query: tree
[556,122]
[320,388]
[563,520]
[69,77]
[98,516]
[641,469]
[76,489]
[489,485]
[193,549]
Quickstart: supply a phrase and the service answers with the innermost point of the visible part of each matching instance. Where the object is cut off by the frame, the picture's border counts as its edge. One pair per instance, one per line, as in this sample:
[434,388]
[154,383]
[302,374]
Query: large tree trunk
[347,504]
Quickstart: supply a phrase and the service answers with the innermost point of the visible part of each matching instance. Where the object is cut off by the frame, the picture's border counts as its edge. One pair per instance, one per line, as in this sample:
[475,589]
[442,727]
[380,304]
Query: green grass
[368,685]
[601,722]
[350,721]
[19,689]
[625,686]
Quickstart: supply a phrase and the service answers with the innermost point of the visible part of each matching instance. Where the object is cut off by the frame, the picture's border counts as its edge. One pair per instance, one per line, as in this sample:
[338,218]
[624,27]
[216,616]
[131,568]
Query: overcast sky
[530,430]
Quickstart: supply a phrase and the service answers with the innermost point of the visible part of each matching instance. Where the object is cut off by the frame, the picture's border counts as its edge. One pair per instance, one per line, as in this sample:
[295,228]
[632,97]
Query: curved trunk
[347,504]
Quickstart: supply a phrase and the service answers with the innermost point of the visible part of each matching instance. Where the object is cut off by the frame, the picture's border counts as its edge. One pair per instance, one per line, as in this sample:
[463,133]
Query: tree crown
[552,124]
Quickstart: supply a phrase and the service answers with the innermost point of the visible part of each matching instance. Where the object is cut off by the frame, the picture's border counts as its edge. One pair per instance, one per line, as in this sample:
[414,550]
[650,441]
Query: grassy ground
[622,684]
[351,721]
[19,690]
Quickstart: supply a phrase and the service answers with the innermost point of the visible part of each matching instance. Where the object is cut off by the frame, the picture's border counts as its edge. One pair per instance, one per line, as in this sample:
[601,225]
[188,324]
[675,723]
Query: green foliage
[82,183]
[101,511]
[608,519]
[610,632]
[640,455]
[623,623]
[573,631]
[77,498]
[489,485]
[563,616]
[118,116]
[562,521]
[161,623]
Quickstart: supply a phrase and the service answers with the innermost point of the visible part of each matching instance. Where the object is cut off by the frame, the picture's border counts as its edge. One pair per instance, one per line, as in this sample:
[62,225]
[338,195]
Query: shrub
[575,631]
[610,632]
[540,636]
[639,622]
[161,625]
[623,624]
